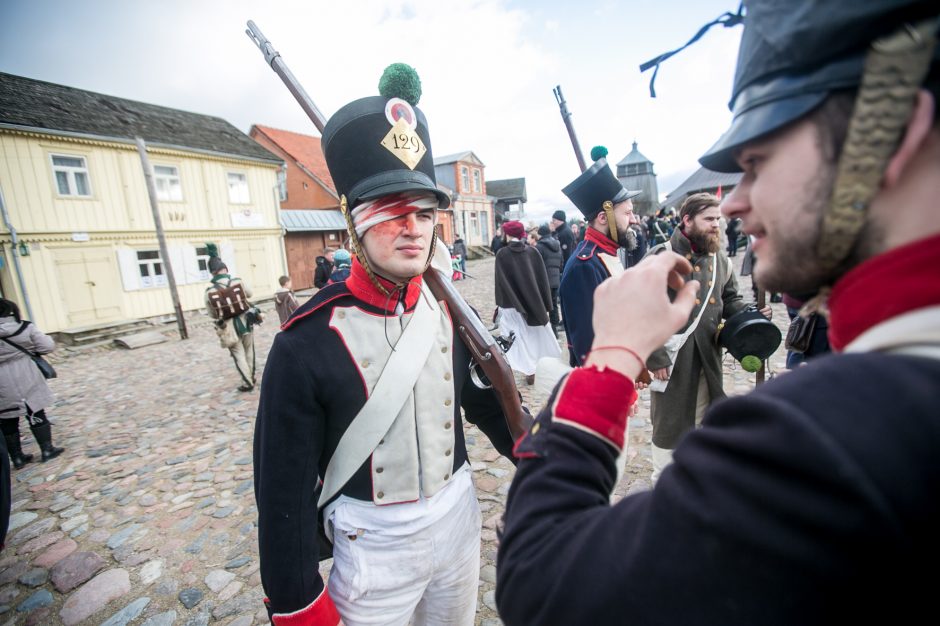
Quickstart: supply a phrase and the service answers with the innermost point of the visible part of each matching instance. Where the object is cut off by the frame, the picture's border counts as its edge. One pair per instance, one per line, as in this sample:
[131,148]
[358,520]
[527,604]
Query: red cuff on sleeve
[320,612]
[596,401]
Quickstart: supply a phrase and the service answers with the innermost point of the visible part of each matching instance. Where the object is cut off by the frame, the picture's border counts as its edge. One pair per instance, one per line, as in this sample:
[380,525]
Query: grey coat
[21,382]
[672,412]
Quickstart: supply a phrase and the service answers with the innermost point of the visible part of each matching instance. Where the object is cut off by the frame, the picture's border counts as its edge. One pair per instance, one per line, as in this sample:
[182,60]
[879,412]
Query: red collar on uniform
[899,281]
[603,242]
[362,288]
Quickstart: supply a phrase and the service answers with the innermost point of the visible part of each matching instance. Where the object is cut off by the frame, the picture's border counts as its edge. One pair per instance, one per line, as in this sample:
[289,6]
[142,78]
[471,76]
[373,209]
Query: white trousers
[662,457]
[425,578]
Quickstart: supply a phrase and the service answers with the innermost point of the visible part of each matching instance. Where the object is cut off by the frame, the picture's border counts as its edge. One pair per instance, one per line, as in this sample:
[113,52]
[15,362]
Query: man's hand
[661,374]
[767,312]
[633,311]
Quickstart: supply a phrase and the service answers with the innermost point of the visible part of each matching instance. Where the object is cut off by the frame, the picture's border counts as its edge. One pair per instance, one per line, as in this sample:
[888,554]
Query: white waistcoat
[416,456]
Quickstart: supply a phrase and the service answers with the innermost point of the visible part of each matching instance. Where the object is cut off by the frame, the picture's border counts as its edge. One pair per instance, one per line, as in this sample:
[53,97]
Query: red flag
[718,193]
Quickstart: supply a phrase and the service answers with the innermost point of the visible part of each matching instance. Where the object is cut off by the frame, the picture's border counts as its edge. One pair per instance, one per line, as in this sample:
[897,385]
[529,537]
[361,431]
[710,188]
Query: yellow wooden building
[75,194]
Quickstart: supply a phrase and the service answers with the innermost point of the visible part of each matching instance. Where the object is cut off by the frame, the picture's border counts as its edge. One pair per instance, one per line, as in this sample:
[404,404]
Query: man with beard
[687,371]
[607,207]
[812,499]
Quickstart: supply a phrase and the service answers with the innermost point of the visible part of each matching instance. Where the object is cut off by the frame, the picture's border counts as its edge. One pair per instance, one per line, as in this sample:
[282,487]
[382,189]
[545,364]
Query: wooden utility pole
[164,254]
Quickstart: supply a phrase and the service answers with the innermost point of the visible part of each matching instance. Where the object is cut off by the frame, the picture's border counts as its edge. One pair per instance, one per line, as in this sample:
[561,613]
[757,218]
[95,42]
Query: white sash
[675,343]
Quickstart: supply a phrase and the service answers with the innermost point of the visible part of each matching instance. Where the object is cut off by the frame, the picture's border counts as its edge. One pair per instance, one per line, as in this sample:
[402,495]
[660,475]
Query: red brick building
[311,216]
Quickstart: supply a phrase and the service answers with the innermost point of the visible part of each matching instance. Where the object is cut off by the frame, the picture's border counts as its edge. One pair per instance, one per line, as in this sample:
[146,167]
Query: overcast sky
[487,69]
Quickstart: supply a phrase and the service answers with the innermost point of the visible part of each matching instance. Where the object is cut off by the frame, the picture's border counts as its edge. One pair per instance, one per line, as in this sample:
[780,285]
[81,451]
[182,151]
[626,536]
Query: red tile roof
[304,149]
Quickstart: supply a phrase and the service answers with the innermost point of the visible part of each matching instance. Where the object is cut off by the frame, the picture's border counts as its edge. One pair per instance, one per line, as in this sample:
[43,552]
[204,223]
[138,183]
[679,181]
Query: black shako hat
[794,54]
[380,145]
[595,186]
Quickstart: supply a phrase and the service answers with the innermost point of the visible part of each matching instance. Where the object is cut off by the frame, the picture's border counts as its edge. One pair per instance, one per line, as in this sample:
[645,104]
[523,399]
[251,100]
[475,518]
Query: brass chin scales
[611,222]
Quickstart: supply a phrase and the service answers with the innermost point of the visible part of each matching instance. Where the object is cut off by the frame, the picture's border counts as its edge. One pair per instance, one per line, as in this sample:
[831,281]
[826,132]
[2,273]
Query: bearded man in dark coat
[687,381]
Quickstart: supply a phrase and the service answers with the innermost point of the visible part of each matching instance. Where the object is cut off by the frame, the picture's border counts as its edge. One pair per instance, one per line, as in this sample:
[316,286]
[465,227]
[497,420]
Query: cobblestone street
[149,517]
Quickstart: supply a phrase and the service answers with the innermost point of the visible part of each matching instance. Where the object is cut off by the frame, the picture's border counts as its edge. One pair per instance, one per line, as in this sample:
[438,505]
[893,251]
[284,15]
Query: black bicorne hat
[595,186]
[794,54]
[377,146]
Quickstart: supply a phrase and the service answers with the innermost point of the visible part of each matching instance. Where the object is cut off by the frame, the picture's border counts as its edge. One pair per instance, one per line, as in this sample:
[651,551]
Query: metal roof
[634,157]
[506,188]
[701,180]
[309,220]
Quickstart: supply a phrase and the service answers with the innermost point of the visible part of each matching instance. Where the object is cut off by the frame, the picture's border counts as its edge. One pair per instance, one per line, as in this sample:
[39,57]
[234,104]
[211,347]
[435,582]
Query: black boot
[43,435]
[16,452]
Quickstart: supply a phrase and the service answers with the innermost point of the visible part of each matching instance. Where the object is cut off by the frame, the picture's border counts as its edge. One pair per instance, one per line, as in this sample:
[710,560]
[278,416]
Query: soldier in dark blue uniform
[367,388]
[608,207]
[812,499]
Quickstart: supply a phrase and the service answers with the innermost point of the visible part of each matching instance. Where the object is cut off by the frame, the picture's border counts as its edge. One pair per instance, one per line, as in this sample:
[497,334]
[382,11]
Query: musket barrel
[273,57]
[566,118]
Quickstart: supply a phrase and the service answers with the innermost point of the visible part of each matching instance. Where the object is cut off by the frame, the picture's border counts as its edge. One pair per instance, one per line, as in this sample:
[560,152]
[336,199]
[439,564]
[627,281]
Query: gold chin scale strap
[611,222]
[895,68]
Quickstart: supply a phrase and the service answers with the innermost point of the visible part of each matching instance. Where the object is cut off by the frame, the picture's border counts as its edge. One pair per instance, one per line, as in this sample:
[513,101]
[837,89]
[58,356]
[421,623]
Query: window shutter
[178,261]
[190,264]
[130,275]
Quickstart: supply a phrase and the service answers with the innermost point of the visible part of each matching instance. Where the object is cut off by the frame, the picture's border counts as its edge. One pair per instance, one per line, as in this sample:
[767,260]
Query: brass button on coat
[447,425]
[379,470]
[447,402]
[380,495]
[446,375]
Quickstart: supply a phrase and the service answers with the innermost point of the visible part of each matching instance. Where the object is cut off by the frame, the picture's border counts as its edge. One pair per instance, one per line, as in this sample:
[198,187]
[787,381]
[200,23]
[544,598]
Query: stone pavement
[149,517]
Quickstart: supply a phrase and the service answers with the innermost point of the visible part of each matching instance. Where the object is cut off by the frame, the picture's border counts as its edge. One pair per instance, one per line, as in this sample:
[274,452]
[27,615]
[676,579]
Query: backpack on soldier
[228,301]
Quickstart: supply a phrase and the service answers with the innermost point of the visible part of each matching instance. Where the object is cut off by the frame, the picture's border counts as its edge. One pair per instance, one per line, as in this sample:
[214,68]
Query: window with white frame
[202,262]
[71,175]
[238,188]
[151,269]
[465,178]
[474,223]
[167,180]
[477,185]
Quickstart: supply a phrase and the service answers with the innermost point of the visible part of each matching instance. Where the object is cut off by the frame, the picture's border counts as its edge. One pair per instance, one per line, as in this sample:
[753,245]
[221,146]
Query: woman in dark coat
[523,301]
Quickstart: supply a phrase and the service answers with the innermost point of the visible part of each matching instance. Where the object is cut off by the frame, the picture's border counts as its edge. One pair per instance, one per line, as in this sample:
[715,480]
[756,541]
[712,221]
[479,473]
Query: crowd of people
[810,499]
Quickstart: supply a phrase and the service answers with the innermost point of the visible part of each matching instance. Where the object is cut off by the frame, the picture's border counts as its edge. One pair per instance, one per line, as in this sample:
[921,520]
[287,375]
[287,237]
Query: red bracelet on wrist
[625,349]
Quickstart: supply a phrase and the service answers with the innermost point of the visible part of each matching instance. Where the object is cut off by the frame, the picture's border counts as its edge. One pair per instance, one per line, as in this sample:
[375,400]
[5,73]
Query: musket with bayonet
[491,366]
[566,117]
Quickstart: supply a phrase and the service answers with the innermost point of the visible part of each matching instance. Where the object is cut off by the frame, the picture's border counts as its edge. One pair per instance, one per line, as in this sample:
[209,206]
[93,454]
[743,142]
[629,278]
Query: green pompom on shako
[751,363]
[400,80]
[598,152]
